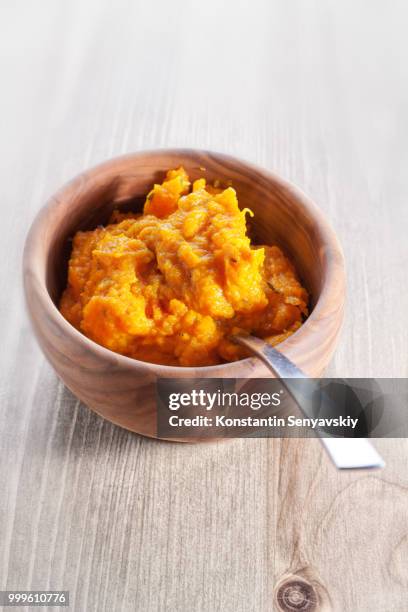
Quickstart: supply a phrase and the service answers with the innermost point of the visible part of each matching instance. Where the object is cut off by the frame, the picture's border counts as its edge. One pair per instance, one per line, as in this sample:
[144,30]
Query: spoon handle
[346,453]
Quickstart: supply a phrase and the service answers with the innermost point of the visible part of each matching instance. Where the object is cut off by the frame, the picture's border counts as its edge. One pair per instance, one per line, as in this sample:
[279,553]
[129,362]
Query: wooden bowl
[122,389]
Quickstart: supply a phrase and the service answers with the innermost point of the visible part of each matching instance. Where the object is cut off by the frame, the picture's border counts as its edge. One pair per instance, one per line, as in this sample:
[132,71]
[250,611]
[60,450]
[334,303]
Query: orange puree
[170,285]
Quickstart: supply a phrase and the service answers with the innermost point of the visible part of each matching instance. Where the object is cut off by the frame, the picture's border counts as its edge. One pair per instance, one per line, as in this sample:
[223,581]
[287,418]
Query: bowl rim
[333,255]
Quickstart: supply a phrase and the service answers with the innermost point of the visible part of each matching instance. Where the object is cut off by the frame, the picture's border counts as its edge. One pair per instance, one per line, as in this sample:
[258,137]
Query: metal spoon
[345,453]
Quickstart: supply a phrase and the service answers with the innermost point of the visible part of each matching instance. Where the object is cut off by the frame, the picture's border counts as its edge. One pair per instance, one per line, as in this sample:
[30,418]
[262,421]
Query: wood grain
[314,91]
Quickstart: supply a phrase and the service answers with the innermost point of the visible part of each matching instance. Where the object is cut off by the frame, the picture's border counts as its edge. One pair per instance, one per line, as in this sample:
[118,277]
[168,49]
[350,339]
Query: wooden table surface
[317,91]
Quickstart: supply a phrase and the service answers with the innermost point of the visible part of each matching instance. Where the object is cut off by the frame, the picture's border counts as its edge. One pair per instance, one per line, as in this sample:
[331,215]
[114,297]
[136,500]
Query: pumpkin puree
[170,285]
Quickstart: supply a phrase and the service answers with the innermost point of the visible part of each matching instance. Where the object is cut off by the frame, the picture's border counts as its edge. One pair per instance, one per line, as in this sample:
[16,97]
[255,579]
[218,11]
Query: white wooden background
[317,91]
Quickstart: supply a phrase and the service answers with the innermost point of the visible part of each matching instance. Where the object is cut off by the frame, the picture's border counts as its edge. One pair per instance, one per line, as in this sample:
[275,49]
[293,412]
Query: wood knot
[297,594]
